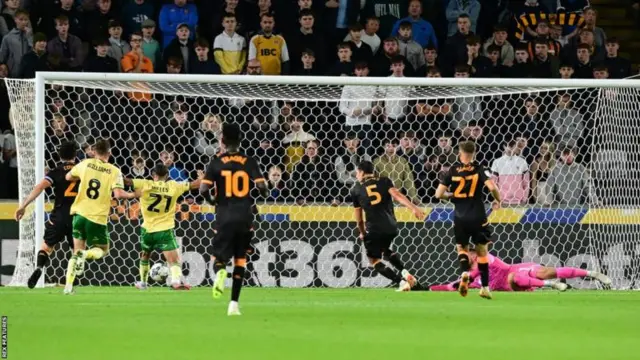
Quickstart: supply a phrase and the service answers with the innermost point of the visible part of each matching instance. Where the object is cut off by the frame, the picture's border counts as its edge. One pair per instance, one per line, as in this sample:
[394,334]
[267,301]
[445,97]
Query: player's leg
[41,261]
[462,248]
[96,237]
[79,244]
[173,259]
[374,245]
[522,281]
[54,233]
[239,266]
[481,238]
[394,258]
[222,253]
[545,272]
[241,243]
[143,270]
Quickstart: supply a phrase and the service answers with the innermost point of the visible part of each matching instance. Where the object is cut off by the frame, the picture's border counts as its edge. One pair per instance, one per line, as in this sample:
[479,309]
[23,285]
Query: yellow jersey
[97,180]
[158,202]
[271,51]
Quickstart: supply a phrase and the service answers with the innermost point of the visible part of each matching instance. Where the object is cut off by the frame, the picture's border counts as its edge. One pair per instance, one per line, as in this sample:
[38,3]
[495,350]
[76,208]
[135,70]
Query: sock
[570,273]
[383,270]
[483,267]
[144,270]
[218,265]
[71,270]
[176,273]
[394,259]
[524,281]
[238,278]
[463,260]
[43,259]
[95,253]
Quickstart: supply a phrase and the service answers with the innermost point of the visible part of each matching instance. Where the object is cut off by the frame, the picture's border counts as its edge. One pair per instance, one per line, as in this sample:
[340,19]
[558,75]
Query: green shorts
[86,230]
[160,240]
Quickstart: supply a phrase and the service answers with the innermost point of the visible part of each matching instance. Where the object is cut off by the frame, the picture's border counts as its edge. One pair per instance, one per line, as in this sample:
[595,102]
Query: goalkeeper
[158,199]
[525,276]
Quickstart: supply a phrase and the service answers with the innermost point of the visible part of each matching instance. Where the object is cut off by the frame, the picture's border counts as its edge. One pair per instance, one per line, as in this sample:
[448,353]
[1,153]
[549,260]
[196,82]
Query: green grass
[123,323]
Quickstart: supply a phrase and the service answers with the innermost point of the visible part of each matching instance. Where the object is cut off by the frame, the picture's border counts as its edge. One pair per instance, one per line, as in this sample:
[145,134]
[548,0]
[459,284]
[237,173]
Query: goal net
[564,154]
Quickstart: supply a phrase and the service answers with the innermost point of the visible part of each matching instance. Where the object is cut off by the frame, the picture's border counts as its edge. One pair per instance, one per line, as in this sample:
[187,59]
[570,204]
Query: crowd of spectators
[534,145]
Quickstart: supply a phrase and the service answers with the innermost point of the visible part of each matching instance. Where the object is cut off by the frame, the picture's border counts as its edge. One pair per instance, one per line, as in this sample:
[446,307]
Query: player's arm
[206,183]
[258,178]
[493,189]
[118,188]
[360,221]
[37,190]
[122,194]
[495,192]
[196,183]
[442,193]
[71,176]
[399,197]
[358,213]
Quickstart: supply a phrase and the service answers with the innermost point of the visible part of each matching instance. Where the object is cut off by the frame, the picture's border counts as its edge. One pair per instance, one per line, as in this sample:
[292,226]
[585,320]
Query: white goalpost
[564,153]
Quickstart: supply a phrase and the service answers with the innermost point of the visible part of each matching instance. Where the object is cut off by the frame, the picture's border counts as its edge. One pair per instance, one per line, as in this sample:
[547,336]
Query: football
[159,272]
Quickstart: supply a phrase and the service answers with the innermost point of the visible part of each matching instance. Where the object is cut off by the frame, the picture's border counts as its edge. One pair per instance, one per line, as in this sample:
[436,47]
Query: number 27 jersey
[466,183]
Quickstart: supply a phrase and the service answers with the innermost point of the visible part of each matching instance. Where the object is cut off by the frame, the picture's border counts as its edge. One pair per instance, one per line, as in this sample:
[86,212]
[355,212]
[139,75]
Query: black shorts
[479,232]
[233,239]
[57,228]
[377,243]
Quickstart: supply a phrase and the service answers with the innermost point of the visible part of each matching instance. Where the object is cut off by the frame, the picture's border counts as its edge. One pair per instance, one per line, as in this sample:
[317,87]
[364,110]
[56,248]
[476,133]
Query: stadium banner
[328,254]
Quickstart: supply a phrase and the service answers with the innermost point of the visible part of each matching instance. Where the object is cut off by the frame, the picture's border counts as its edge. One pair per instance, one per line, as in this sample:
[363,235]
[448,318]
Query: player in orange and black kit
[58,228]
[463,184]
[232,174]
[374,196]
[252,255]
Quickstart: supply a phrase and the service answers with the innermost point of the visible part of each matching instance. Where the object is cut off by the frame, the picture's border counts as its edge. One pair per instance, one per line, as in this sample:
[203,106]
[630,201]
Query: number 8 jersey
[466,183]
[158,202]
[97,180]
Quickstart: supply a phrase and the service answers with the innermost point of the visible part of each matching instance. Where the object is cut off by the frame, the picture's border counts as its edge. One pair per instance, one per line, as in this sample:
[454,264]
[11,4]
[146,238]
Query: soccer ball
[159,272]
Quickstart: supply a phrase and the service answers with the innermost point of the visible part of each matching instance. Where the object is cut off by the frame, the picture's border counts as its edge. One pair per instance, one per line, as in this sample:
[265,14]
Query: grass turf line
[124,323]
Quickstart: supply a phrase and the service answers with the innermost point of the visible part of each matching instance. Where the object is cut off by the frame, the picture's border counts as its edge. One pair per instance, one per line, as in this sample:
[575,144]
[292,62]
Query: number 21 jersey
[97,180]
[466,183]
[158,202]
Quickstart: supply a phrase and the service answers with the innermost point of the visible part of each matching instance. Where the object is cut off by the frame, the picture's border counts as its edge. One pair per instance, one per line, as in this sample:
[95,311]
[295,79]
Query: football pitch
[124,323]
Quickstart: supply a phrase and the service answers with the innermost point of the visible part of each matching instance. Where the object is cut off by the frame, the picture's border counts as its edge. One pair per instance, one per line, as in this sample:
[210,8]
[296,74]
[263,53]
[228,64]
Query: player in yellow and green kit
[98,179]
[158,199]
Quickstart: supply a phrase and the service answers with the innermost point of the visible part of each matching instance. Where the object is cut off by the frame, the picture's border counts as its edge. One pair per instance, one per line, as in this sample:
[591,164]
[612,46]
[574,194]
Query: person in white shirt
[396,98]
[511,174]
[358,104]
[369,35]
[294,143]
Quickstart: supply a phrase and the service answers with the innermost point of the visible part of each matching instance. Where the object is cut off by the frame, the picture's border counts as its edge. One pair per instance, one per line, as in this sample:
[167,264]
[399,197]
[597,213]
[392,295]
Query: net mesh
[22,115]
[563,159]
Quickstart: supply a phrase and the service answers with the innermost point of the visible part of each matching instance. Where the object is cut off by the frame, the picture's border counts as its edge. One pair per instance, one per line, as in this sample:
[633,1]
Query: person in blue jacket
[422,30]
[172,15]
